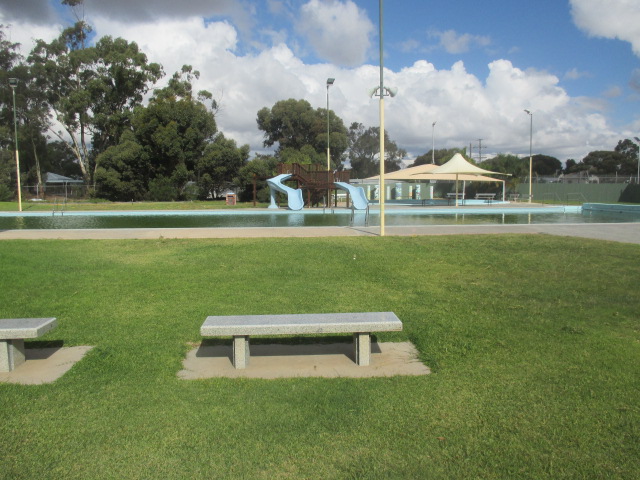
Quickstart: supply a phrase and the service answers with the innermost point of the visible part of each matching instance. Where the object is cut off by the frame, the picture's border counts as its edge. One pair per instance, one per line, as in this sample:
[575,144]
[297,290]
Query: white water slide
[358,197]
[294,195]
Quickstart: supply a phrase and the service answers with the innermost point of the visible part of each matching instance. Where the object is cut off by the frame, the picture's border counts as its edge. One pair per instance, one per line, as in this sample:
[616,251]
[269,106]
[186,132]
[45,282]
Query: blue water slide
[294,195]
[358,197]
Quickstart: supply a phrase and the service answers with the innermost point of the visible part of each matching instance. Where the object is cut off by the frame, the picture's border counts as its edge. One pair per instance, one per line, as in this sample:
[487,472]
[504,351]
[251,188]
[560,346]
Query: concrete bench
[488,197]
[452,197]
[13,331]
[240,327]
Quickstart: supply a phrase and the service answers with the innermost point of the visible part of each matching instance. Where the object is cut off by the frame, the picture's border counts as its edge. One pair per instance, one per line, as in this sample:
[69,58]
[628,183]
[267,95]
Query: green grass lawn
[534,343]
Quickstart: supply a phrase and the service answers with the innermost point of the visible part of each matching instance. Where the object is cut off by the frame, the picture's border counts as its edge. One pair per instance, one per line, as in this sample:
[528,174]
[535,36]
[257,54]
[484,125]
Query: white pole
[13,82]
[381,92]
[530,151]
[638,143]
[433,153]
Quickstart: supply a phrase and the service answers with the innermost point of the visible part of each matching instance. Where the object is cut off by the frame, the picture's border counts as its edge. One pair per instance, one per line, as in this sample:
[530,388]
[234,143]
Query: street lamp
[329,83]
[433,153]
[637,142]
[382,91]
[530,150]
[13,83]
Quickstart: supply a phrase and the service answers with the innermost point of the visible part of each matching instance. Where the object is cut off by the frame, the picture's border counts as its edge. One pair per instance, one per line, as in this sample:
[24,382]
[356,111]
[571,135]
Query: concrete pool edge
[374,209]
[617,232]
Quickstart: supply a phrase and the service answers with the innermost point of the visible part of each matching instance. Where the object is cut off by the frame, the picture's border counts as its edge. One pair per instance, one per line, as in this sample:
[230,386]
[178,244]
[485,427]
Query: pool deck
[616,232]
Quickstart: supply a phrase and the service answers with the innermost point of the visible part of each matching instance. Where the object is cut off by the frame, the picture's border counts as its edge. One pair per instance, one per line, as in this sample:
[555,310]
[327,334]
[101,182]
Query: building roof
[54,178]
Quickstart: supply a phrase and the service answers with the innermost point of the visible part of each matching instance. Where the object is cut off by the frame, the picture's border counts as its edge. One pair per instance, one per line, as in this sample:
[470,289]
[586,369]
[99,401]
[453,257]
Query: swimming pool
[396,216]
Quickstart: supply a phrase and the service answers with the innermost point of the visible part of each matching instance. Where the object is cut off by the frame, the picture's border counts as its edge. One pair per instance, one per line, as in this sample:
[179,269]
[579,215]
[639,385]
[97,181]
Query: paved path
[617,232]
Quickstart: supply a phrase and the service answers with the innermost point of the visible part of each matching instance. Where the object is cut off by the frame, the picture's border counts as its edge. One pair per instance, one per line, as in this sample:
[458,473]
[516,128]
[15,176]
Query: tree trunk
[38,172]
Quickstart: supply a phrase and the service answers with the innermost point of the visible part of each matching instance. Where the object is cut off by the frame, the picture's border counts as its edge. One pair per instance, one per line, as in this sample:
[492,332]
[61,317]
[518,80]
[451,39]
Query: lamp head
[392,91]
[637,139]
[528,112]
[330,81]
[13,82]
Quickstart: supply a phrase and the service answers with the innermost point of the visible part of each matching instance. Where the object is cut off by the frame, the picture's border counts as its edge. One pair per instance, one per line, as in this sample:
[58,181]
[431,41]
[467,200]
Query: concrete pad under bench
[45,365]
[241,327]
[327,360]
[13,331]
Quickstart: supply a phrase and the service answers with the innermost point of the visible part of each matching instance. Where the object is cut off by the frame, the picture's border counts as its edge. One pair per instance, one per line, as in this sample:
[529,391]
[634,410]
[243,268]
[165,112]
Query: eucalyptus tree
[159,154]
[629,149]
[219,166]
[255,172]
[90,91]
[176,125]
[297,127]
[364,151]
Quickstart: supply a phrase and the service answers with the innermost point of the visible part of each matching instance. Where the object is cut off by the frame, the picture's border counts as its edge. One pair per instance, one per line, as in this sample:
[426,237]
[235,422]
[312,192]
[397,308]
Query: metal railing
[352,219]
[58,206]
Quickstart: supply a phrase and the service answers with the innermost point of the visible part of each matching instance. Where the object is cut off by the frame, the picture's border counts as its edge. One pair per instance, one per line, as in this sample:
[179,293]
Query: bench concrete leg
[362,344]
[240,351]
[11,354]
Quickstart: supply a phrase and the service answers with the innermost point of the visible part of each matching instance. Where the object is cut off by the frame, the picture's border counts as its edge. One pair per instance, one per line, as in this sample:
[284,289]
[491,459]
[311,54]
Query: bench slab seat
[241,327]
[13,331]
[487,197]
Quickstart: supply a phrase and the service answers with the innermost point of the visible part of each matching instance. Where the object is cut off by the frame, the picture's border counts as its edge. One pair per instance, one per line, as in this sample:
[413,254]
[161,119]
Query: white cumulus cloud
[338,31]
[454,42]
[616,19]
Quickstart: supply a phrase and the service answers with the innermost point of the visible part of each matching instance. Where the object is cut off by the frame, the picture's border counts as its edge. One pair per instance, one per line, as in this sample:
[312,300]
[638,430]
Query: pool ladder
[59,207]
[353,216]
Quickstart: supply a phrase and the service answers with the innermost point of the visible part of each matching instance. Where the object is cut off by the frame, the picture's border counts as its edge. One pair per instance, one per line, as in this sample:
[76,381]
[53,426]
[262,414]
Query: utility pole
[13,83]
[433,152]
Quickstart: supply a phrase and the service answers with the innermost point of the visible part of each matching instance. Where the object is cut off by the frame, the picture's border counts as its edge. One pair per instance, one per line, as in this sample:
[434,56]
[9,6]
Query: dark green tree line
[364,151]
[301,133]
[90,92]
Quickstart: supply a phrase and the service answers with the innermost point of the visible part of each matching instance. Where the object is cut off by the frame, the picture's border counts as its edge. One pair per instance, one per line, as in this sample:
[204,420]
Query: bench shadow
[43,344]
[42,349]
[284,347]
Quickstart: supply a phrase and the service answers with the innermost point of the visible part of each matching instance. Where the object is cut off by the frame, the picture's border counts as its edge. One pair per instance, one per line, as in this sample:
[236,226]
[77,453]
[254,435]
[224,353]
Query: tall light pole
[13,83]
[638,143]
[381,193]
[433,152]
[530,150]
[382,91]
[329,176]
[329,83]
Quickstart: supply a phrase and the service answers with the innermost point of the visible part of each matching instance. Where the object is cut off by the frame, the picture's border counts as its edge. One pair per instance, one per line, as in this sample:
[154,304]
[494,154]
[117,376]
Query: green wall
[582,192]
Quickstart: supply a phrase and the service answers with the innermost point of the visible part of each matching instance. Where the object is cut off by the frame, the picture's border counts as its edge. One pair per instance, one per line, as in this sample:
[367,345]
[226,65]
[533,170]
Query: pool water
[307,218]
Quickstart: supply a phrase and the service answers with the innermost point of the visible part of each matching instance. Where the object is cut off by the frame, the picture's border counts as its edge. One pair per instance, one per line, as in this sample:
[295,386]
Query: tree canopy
[301,132]
[364,151]
[90,91]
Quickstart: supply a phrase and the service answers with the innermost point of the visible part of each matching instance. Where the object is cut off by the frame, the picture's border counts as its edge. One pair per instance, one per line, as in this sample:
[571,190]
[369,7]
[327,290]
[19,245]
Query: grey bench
[488,197]
[241,327]
[13,331]
[451,197]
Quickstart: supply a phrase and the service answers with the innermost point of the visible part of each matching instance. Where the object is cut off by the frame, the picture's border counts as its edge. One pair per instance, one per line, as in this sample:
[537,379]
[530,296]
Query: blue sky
[470,66]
